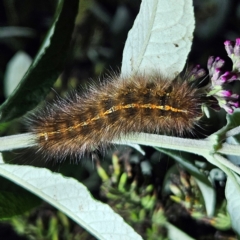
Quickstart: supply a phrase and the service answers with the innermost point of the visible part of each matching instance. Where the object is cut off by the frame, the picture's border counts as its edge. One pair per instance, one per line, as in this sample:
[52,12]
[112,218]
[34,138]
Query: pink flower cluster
[220,79]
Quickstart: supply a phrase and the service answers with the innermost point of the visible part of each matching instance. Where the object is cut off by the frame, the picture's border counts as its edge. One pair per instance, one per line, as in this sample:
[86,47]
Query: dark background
[99,37]
[101,31]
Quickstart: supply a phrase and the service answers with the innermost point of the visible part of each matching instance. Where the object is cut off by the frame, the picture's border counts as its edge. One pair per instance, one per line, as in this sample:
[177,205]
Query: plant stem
[199,147]
[202,147]
[17,141]
[233,132]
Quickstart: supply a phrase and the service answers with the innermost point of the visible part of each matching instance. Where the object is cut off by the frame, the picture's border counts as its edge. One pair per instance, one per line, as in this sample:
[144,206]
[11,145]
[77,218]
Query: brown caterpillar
[78,124]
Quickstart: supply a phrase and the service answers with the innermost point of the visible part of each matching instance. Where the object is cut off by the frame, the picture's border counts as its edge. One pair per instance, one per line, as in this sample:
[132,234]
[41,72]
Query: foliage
[157,195]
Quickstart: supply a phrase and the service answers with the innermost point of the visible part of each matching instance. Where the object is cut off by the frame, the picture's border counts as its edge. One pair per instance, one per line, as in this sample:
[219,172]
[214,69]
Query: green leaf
[150,44]
[232,192]
[47,65]
[234,141]
[72,198]
[16,69]
[233,120]
[175,233]
[14,200]
[204,184]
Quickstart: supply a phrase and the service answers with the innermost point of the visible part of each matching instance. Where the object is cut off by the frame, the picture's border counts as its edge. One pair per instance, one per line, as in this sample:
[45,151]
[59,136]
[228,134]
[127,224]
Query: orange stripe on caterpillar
[111,110]
[78,124]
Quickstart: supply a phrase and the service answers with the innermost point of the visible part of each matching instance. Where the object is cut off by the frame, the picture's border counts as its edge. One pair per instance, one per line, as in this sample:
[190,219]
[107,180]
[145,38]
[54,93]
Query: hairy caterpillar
[78,124]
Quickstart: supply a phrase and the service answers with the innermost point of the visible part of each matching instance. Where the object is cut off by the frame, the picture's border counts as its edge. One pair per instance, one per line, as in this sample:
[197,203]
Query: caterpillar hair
[118,106]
